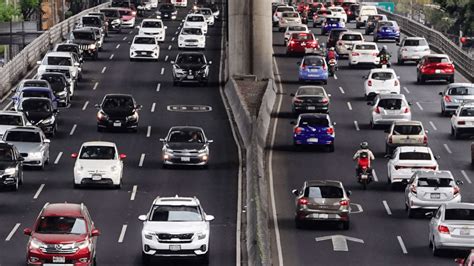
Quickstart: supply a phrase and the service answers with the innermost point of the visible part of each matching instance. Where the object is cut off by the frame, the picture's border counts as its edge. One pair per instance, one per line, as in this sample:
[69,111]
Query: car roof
[26,128]
[415,38]
[186,127]
[312,88]
[411,122]
[84,29]
[414,149]
[36,89]
[459,84]
[352,32]
[437,55]
[335,183]
[152,19]
[144,36]
[34,80]
[99,143]
[118,95]
[90,15]
[456,205]
[434,174]
[59,54]
[35,99]
[190,53]
[67,44]
[62,209]
[176,201]
[381,70]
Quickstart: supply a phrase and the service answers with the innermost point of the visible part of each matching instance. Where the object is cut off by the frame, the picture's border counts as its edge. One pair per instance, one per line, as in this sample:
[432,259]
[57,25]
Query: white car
[364,13]
[279,10]
[175,227]
[61,59]
[337,11]
[462,121]
[11,119]
[207,13]
[153,27]
[381,80]
[412,48]
[195,20]
[297,28]
[364,53]
[346,40]
[180,3]
[288,18]
[320,16]
[144,47]
[407,159]
[388,108]
[191,38]
[98,163]
[32,144]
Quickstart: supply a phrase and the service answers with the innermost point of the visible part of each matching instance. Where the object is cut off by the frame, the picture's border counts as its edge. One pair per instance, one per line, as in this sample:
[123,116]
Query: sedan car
[196,21]
[153,27]
[40,112]
[462,121]
[118,111]
[11,166]
[191,38]
[288,18]
[412,49]
[337,11]
[302,43]
[388,108]
[381,80]
[364,53]
[428,189]
[98,163]
[405,133]
[455,95]
[435,67]
[332,23]
[32,144]
[167,11]
[346,41]
[144,47]
[313,68]
[314,129]
[407,159]
[299,28]
[372,22]
[64,59]
[322,200]
[320,16]
[310,99]
[11,119]
[387,30]
[190,67]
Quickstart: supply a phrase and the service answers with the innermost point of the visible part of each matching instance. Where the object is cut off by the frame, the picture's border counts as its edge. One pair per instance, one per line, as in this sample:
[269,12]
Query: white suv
[462,121]
[175,226]
[191,38]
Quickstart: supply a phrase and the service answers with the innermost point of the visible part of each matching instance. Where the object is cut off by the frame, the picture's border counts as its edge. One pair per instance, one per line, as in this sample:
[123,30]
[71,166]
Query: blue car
[387,30]
[34,92]
[313,68]
[314,129]
[332,23]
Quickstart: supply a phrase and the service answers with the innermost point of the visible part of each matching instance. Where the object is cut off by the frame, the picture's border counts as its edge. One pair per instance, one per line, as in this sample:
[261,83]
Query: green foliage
[29,7]
[462,11]
[7,11]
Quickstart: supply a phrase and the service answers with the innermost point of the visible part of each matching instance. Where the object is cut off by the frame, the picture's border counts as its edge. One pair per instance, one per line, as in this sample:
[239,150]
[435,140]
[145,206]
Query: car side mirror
[398,77]
[459,182]
[437,157]
[95,232]
[440,93]
[209,218]
[410,103]
[397,44]
[74,155]
[388,156]
[333,123]
[329,95]
[56,111]
[292,94]
[364,77]
[38,62]
[210,141]
[369,103]
[27,231]
[21,159]
[137,27]
[142,217]
[97,106]
[139,107]
[47,141]
[122,156]
[162,140]
[295,192]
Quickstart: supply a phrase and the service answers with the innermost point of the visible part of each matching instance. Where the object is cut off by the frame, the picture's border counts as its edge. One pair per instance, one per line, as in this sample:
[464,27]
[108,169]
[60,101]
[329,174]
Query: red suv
[435,67]
[302,43]
[63,233]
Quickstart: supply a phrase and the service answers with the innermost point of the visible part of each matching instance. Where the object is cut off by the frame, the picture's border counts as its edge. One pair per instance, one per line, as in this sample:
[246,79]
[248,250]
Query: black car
[104,21]
[334,36]
[112,16]
[70,47]
[192,67]
[59,85]
[11,166]
[87,40]
[167,11]
[94,21]
[353,12]
[118,111]
[40,113]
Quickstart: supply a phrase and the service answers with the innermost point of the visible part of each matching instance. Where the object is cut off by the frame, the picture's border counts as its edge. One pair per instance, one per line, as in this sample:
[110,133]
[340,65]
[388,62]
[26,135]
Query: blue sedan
[313,68]
[332,23]
[314,129]
[387,30]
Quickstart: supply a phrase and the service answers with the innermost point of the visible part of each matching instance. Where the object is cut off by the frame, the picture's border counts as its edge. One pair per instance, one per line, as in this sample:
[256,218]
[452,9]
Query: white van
[364,13]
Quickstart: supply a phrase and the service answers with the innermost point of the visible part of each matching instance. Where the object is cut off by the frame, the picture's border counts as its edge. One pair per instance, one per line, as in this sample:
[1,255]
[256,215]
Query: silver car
[428,189]
[412,49]
[31,143]
[388,108]
[455,95]
[452,227]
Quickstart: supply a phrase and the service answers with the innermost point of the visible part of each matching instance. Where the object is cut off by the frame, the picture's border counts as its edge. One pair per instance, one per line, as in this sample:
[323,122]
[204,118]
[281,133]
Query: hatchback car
[41,113]
[32,144]
[314,129]
[372,22]
[428,189]
[337,11]
[301,28]
[364,53]
[405,133]
[11,166]
[435,67]
[310,99]
[412,49]
[313,68]
[455,95]
[118,111]
[153,27]
[322,200]
[302,43]
[167,11]
[63,233]
[332,23]
[196,21]
[462,121]
[346,41]
[191,38]
[387,108]
[144,47]
[190,67]
[381,80]
[387,30]
[407,159]
[287,18]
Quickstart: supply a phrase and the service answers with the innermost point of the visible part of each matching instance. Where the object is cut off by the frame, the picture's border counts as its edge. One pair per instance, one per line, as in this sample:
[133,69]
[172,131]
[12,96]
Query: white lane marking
[447,148]
[158,87]
[104,69]
[374,175]
[153,107]
[162,70]
[8,106]
[111,57]
[122,233]
[176,33]
[166,58]
[38,192]
[118,45]
[58,157]
[130,32]
[72,130]
[466,177]
[402,245]
[356,125]
[142,158]
[406,90]
[169,47]
[419,106]
[342,91]
[12,232]
[124,38]
[433,125]
[148,132]
[335,77]
[387,208]
[95,86]
[172,39]
[85,105]
[134,192]
[349,105]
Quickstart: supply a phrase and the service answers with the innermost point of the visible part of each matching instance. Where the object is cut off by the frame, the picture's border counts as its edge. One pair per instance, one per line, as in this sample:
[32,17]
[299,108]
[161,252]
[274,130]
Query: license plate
[166,15]
[435,195]
[313,70]
[190,77]
[465,232]
[303,44]
[320,215]
[312,140]
[437,71]
[311,108]
[59,259]
[117,124]
[175,247]
[96,177]
[364,176]
[143,53]
[185,159]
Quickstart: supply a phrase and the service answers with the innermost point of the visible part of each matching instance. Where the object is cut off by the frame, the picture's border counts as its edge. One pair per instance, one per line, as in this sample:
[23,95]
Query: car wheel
[299,224]
[21,178]
[345,225]
[457,135]
[146,259]
[422,79]
[16,186]
[400,61]
[388,150]
[411,212]
[331,147]
[436,251]
[372,125]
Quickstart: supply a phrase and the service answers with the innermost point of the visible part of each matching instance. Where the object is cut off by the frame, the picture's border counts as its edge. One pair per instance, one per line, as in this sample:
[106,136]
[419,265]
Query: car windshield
[35,84]
[66,48]
[11,120]
[323,192]
[351,37]
[365,47]
[390,104]
[110,13]
[413,155]
[56,82]
[467,112]
[313,61]
[435,182]
[459,214]
[289,15]
[23,136]
[388,24]
[61,225]
[91,21]
[190,59]
[382,75]
[152,24]
[461,91]
[206,12]
[191,31]
[415,43]
[165,213]
[310,91]
[334,34]
[314,122]
[437,60]
[195,18]
[34,94]
[407,130]
[36,106]
[166,7]
[83,35]
[187,136]
[58,61]
[144,40]
[6,154]
[333,20]
[97,153]
[118,102]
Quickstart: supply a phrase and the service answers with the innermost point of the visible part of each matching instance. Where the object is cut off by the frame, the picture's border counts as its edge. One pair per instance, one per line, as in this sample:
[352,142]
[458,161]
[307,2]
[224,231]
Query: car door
[392,161]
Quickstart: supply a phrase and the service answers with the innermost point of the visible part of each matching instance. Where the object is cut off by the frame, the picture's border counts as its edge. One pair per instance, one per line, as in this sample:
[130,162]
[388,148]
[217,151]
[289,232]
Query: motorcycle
[384,61]
[332,66]
[364,172]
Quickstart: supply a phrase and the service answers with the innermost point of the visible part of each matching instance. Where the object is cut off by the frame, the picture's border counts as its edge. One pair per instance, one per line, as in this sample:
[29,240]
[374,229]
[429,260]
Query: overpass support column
[262,41]
[240,34]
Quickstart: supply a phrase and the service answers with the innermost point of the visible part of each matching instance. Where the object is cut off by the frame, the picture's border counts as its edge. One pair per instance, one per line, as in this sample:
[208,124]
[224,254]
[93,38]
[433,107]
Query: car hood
[96,164]
[82,41]
[58,238]
[7,164]
[26,147]
[175,227]
[144,46]
[190,66]
[185,146]
[35,117]
[151,30]
[118,112]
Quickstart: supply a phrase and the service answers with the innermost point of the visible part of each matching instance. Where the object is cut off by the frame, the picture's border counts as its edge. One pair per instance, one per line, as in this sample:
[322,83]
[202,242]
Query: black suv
[40,112]
[167,11]
[11,166]
[334,36]
[190,66]
[113,19]
[118,111]
[59,85]
[87,40]
[94,21]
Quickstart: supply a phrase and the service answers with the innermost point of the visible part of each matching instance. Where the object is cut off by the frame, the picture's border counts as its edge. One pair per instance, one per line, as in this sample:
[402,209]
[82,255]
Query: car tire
[422,79]
[400,61]
[451,79]
[345,225]
[411,212]
[96,56]
[456,134]
[372,125]
[146,259]
[388,150]
[99,129]
[331,147]
[16,186]
[436,251]
[299,224]
[21,178]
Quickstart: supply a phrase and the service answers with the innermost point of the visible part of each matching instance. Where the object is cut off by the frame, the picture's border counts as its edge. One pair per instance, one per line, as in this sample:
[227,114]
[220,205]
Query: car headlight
[205,150]
[148,235]
[132,117]
[48,121]
[82,245]
[62,94]
[178,70]
[10,171]
[35,244]
[92,46]
[102,116]
[201,235]
[155,49]
[158,13]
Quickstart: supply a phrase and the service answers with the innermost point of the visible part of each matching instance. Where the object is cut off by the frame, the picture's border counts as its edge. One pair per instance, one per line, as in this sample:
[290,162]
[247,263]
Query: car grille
[175,238]
[24,154]
[84,47]
[144,53]
[191,40]
[59,249]
[186,152]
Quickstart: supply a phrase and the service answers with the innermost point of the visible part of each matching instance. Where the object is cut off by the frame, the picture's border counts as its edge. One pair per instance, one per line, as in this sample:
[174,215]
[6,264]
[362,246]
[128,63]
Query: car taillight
[377,110]
[303,201]
[297,100]
[349,12]
[443,229]
[395,83]
[407,110]
[390,140]
[344,203]
[413,189]
[364,167]
[292,43]
[369,83]
[355,54]
[298,130]
[134,13]
[425,139]
[324,100]
[456,190]
[461,122]
[330,130]
[303,66]
[447,98]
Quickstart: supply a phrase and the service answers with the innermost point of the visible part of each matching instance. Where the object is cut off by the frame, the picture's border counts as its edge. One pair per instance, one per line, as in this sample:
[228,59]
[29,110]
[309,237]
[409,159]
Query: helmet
[384,47]
[364,145]
[331,49]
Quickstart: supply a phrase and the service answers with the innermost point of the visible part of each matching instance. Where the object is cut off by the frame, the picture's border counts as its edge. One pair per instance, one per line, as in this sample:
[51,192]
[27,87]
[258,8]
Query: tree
[7,11]
[29,7]
[463,13]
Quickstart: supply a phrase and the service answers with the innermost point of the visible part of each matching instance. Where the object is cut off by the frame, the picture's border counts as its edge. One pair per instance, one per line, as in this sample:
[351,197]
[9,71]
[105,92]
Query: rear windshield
[61,225]
[333,20]
[97,153]
[56,82]
[66,72]
[125,12]
[35,94]
[390,104]
[83,35]
[302,37]
[382,75]
[314,61]
[23,136]
[323,192]
[151,24]
[195,18]
[290,15]
[459,214]
[388,24]
[190,59]
[143,40]
[437,60]
[310,91]
[415,43]
[434,182]
[118,102]
[314,121]
[467,112]
[58,61]
[175,214]
[66,48]
[324,12]
[365,47]
[91,21]
[191,31]
[461,91]
[35,84]
[407,130]
[351,37]
[110,13]
[297,28]
[11,120]
[283,9]
[413,155]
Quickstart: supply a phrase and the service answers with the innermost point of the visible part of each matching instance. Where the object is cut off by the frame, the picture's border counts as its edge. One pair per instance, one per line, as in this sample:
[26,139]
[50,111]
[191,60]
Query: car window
[151,24]
[437,60]
[435,182]
[382,75]
[97,153]
[390,104]
[467,112]
[118,102]
[413,155]
[407,130]
[35,94]
[323,192]
[324,12]
[58,61]
[351,37]
[6,154]
[23,136]
[284,9]
[302,37]
[415,43]
[144,40]
[36,106]
[189,136]
[11,120]
[314,121]
[289,15]
[91,21]
[191,31]
[461,91]
[175,214]
[459,214]
[313,61]
[297,28]
[83,35]
[365,47]
[35,84]
[66,48]
[387,24]
[56,82]
[66,72]
[110,13]
[190,59]
[61,225]
[310,91]
[333,20]
[195,18]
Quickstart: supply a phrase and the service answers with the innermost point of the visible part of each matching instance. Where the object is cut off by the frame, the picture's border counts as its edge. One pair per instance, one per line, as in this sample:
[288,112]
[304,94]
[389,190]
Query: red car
[435,67]
[63,233]
[302,43]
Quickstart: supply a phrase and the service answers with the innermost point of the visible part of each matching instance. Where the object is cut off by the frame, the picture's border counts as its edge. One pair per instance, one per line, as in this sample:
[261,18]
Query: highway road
[116,211]
[379,219]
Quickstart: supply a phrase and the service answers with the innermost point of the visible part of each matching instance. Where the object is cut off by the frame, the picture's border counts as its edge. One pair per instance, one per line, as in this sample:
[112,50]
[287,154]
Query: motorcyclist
[331,54]
[384,54]
[364,148]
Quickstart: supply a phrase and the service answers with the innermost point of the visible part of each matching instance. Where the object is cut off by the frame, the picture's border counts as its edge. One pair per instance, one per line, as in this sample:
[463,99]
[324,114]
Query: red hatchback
[302,43]
[63,234]
[435,67]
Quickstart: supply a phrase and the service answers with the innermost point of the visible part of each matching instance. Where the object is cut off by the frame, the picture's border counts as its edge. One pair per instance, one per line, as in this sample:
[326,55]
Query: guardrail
[463,61]
[16,68]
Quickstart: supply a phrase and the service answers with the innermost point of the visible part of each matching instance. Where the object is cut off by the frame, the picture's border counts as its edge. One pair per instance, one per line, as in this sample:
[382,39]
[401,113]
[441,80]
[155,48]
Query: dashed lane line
[433,125]
[111,57]
[342,90]
[85,106]
[122,233]
[387,208]
[166,58]
[335,77]
[162,71]
[124,38]
[73,129]
[95,86]
[130,32]
[466,176]
[419,106]
[406,90]
[8,106]
[374,175]
[176,33]
[13,231]
[172,39]
[58,157]
[356,125]
[134,192]
[349,105]
[158,87]
[148,131]
[402,245]
[142,158]
[447,148]
[38,192]
[169,47]
[153,107]
[118,46]
[103,70]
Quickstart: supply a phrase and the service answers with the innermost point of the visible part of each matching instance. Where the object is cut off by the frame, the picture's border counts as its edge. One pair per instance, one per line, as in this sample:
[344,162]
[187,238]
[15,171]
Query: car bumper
[398,176]
[313,76]
[184,44]
[105,180]
[322,216]
[317,140]
[310,108]
[47,129]
[33,161]
[388,36]
[302,50]
[465,130]
[413,55]
[394,145]
[361,61]
[166,16]
[438,76]
[128,23]
[114,124]
[446,241]
[37,257]
[194,77]
[416,203]
[179,249]
[378,120]
[7,180]
[198,160]
[144,55]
